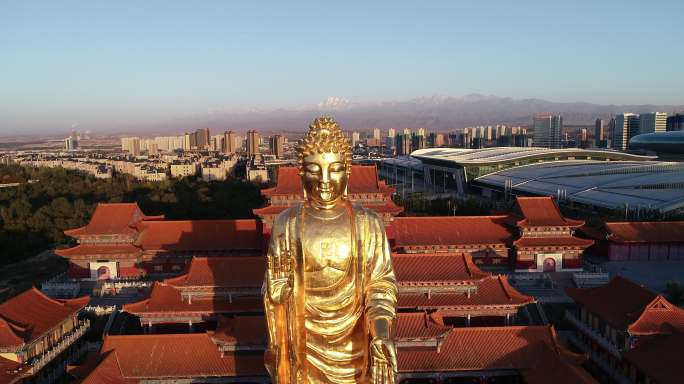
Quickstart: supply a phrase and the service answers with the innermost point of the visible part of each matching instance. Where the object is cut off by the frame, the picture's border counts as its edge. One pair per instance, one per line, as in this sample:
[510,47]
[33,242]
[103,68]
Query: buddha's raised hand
[280,271]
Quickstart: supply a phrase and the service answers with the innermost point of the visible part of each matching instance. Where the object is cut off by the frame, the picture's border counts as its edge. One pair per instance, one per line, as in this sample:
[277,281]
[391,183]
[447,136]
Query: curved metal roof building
[479,162]
[502,155]
[625,185]
[660,142]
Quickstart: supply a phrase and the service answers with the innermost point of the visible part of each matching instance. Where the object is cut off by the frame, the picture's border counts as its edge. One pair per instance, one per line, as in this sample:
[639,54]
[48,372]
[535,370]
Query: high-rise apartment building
[131,145]
[253,141]
[403,145]
[278,146]
[230,144]
[599,133]
[626,127]
[435,140]
[356,137]
[190,141]
[407,131]
[202,138]
[71,143]
[675,122]
[376,134]
[652,122]
[418,142]
[390,140]
[216,143]
[548,129]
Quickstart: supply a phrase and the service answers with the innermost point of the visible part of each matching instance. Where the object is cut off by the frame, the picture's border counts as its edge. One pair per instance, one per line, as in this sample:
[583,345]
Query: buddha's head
[324,163]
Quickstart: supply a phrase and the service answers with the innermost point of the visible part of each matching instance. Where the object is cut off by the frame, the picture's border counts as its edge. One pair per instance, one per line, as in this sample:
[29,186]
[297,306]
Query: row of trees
[34,215]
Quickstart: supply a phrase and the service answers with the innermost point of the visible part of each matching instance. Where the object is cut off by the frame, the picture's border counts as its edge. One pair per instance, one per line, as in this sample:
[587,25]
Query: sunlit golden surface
[329,291]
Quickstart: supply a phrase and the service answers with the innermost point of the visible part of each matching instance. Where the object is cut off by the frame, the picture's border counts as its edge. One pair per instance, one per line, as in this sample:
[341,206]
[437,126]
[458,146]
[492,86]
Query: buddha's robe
[343,278]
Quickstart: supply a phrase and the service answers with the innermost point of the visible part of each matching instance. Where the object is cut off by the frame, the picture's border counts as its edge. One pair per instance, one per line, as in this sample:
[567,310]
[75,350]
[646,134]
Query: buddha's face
[325,178]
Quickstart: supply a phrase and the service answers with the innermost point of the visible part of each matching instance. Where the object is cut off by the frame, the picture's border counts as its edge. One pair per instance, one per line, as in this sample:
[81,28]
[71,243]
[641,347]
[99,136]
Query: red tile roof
[422,268]
[566,241]
[121,251]
[164,299]
[199,235]
[620,302]
[659,357]
[523,348]
[107,371]
[9,334]
[492,291]
[387,207]
[419,325]
[542,212]
[363,179]
[241,330]
[646,232]
[269,210]
[449,230]
[659,317]
[113,219]
[131,358]
[225,272]
[31,314]
[10,371]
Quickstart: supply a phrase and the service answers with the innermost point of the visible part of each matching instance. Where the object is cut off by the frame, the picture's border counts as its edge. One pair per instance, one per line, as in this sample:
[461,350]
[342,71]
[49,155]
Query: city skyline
[109,66]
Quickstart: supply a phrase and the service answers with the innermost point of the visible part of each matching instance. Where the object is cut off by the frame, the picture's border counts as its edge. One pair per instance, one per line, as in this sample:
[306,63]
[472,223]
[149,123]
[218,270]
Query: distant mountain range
[436,113]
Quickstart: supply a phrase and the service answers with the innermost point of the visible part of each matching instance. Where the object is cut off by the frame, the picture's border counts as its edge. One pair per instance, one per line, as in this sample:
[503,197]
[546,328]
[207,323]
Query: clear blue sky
[109,63]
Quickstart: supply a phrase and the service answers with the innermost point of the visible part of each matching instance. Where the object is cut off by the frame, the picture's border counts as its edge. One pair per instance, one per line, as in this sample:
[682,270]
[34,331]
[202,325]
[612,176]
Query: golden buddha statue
[330,293]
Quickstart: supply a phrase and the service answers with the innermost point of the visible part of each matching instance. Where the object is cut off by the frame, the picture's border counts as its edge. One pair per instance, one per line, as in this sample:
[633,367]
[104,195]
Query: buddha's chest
[327,247]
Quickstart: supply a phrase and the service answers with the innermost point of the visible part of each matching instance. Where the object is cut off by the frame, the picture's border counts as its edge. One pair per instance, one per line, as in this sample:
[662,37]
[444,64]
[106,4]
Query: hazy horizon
[116,66]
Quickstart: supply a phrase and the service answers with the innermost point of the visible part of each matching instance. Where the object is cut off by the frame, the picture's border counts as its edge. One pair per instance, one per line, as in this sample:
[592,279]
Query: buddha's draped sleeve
[381,285]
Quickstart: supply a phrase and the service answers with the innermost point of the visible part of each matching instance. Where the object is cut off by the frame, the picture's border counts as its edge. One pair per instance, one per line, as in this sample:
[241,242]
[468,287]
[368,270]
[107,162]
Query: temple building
[364,188]
[547,242]
[454,291]
[121,242]
[194,357]
[484,238]
[105,245]
[213,287]
[647,240]
[202,320]
[39,336]
[428,352]
[449,287]
[632,334]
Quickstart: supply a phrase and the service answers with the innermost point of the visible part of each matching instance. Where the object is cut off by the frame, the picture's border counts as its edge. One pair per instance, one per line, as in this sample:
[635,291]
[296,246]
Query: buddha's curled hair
[324,136]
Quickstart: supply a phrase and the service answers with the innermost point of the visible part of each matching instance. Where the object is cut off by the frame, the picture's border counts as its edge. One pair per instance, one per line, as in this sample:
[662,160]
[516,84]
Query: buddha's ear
[345,189]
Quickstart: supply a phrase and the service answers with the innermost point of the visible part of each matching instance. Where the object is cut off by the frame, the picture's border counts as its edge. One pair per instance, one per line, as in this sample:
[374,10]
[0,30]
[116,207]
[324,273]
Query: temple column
[468,320]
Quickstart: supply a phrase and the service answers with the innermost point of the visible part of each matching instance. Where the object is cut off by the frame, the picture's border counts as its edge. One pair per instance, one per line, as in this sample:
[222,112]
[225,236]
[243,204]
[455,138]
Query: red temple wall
[78,269]
[645,252]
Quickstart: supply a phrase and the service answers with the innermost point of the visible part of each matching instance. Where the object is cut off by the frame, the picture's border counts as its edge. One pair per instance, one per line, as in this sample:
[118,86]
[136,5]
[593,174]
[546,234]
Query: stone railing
[64,343]
[598,337]
[100,309]
[123,287]
[590,279]
[66,289]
